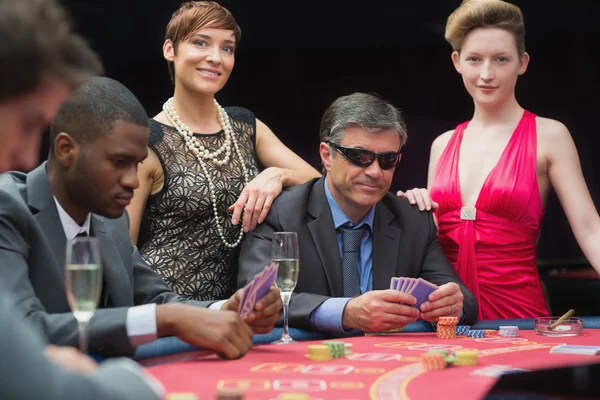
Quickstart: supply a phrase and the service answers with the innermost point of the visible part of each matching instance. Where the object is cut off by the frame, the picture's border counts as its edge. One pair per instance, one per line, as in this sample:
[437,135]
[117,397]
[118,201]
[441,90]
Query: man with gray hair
[354,236]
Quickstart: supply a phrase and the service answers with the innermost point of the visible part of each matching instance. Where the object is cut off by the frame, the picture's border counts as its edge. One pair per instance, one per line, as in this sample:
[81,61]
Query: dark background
[296,57]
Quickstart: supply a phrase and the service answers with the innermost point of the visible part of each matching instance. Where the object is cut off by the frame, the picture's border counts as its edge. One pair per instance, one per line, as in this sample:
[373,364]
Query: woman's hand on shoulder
[421,197]
[257,197]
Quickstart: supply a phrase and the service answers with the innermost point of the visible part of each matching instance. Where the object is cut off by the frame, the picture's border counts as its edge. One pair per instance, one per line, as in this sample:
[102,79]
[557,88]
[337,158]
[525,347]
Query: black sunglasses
[363,158]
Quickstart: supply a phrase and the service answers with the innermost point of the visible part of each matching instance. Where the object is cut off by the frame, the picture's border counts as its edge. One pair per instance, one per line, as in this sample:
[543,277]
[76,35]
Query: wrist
[167,317]
[283,176]
[347,320]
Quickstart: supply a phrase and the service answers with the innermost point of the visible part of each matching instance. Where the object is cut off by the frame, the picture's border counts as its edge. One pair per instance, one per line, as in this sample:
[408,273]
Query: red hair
[192,16]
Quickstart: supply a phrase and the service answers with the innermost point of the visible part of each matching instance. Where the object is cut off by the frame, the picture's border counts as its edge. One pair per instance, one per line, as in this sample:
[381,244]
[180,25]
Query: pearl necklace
[203,154]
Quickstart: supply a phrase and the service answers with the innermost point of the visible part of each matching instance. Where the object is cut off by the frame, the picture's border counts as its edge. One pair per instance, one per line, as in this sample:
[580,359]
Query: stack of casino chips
[347,349]
[319,352]
[336,348]
[476,333]
[462,329]
[433,361]
[446,327]
[509,331]
[230,394]
[293,396]
[465,357]
[181,396]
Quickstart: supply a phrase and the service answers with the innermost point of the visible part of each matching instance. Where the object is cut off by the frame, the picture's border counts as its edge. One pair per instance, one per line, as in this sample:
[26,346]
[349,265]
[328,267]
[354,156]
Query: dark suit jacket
[26,374]
[404,244]
[32,262]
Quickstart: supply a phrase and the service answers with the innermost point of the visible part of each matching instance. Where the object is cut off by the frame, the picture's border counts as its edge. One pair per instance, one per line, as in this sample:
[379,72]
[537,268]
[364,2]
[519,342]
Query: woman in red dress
[491,176]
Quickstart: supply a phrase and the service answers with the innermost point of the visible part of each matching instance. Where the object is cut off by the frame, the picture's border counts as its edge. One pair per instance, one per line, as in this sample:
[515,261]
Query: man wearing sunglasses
[354,236]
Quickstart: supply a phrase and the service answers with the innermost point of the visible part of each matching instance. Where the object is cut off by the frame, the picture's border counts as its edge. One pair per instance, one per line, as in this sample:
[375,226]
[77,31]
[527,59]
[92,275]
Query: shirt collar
[71,228]
[339,216]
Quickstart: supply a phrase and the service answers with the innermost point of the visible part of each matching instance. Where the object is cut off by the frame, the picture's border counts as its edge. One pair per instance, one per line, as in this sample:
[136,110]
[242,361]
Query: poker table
[386,366]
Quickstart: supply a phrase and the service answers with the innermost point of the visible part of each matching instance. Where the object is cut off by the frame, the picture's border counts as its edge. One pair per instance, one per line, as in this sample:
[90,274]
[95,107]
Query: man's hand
[222,331]
[71,359]
[380,310]
[420,197]
[445,301]
[264,316]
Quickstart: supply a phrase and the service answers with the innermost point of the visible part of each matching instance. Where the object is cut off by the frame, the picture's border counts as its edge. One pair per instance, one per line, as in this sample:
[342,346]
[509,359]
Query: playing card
[256,289]
[574,349]
[246,304]
[402,287]
[496,370]
[411,285]
[393,283]
[427,283]
[421,292]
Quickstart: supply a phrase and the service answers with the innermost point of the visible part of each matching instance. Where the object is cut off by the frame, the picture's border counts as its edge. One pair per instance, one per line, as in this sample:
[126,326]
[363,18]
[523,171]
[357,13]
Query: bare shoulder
[151,165]
[550,130]
[162,118]
[440,142]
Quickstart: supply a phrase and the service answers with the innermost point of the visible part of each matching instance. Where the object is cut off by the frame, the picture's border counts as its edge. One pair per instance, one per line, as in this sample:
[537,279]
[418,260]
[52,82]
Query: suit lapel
[386,240]
[41,202]
[116,280]
[323,235]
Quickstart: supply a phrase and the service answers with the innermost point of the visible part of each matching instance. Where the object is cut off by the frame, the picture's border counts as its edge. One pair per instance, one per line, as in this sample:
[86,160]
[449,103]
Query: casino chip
[336,348]
[347,349]
[319,352]
[476,333]
[181,396]
[230,394]
[446,327]
[509,331]
[293,396]
[465,357]
[433,361]
[462,329]
[490,332]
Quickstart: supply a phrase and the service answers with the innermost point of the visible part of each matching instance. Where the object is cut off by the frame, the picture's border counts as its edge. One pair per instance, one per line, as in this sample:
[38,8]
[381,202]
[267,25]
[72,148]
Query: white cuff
[141,324]
[217,305]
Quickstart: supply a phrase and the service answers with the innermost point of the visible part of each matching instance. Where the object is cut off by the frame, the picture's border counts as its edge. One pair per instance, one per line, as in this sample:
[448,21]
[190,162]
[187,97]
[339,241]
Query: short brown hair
[472,14]
[192,16]
[37,42]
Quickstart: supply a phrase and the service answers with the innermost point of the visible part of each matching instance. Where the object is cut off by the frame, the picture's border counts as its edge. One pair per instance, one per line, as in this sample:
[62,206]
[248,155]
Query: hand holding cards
[419,288]
[256,289]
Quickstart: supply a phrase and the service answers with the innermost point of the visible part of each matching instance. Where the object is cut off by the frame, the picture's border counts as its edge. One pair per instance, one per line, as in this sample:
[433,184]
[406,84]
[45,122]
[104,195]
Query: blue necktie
[351,239]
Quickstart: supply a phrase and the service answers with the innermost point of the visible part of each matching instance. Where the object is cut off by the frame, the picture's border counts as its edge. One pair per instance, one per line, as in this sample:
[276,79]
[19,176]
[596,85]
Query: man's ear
[66,149]
[326,155]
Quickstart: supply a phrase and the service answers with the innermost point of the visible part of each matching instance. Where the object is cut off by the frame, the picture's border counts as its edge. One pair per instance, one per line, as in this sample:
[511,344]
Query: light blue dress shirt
[328,316]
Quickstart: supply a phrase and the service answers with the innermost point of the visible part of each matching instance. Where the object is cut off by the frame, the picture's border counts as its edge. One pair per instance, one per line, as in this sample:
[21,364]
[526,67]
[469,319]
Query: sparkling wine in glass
[284,251]
[83,282]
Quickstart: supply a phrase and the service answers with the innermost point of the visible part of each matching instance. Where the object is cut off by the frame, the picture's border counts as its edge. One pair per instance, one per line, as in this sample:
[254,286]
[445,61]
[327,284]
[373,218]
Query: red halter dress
[492,245]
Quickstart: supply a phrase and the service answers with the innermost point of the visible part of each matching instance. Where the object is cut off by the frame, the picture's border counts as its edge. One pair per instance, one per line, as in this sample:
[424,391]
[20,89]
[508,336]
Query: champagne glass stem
[83,326]
[285,297]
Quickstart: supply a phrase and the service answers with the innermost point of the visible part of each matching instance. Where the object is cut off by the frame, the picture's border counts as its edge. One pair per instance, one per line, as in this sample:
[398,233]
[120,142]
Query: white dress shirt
[141,320]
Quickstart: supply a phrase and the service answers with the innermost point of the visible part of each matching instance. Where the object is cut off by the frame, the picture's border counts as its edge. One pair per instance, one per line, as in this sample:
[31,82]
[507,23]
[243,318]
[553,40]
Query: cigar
[559,321]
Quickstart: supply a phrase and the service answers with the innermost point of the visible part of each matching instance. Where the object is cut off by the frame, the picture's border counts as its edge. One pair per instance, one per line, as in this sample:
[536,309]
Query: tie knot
[352,238]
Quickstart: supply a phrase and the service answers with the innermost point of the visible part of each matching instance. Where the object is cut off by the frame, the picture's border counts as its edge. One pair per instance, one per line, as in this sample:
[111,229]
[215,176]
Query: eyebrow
[207,37]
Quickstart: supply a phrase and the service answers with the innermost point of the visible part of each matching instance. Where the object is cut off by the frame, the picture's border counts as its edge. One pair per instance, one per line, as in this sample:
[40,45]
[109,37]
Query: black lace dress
[178,235]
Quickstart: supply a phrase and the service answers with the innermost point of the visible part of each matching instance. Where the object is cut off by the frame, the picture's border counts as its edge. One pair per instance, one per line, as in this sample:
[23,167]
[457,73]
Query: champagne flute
[284,251]
[83,282]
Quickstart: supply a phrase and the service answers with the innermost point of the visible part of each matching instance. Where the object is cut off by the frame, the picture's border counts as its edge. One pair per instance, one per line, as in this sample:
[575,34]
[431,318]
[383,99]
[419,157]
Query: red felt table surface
[382,367]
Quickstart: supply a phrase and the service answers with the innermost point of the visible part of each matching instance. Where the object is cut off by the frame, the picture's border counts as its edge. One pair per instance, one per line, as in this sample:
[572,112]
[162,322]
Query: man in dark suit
[41,61]
[354,236]
[98,137]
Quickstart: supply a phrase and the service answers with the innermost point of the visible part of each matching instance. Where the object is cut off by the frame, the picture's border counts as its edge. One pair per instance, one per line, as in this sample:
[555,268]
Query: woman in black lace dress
[200,187]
